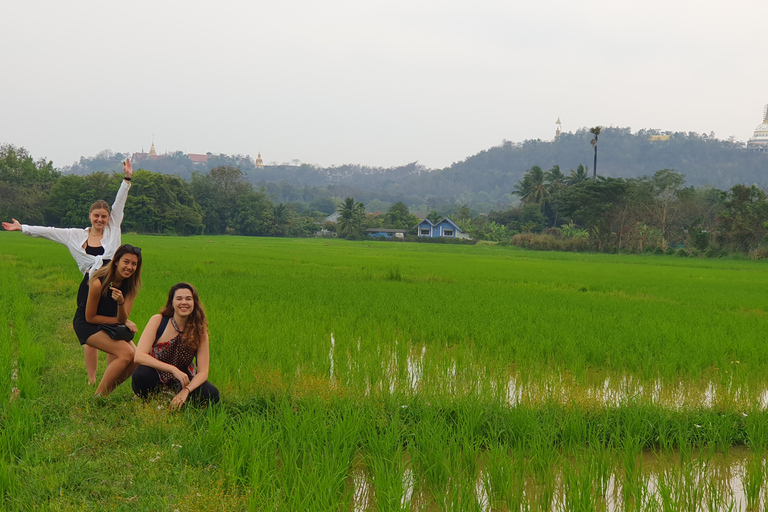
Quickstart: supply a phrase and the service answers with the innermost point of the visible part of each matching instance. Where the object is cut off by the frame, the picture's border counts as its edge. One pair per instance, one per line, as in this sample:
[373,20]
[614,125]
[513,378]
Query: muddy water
[711,482]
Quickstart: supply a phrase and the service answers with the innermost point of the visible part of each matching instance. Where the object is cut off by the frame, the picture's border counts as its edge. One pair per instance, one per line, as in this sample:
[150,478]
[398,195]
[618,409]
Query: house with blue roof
[445,228]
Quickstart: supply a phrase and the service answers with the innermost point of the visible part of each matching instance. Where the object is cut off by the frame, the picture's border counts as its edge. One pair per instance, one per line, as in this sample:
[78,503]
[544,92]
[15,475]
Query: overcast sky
[380,83]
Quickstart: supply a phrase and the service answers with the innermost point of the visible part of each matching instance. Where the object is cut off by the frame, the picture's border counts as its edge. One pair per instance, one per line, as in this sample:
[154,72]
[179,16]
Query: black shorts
[83,329]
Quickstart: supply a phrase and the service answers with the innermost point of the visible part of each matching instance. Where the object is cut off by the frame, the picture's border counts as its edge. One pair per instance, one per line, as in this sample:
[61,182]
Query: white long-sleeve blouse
[75,238]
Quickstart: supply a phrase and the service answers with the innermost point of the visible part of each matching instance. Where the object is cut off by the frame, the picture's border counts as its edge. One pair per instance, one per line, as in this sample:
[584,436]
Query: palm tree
[556,182]
[555,179]
[533,188]
[595,131]
[580,174]
[350,216]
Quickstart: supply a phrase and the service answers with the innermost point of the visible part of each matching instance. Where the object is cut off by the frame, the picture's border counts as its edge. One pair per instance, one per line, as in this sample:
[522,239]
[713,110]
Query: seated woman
[167,347]
[105,305]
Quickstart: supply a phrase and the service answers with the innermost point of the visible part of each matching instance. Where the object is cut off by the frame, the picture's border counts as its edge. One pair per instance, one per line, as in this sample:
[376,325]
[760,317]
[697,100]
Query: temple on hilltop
[559,128]
[151,155]
[152,151]
[259,162]
[759,140]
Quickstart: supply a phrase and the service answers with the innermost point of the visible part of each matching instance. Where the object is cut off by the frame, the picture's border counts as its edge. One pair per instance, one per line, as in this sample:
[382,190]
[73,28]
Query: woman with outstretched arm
[91,247]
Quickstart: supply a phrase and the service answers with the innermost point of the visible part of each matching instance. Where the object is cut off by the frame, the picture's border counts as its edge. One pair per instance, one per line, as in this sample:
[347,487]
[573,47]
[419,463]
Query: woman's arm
[116,216]
[202,374]
[60,235]
[124,305]
[92,306]
[203,360]
[146,342]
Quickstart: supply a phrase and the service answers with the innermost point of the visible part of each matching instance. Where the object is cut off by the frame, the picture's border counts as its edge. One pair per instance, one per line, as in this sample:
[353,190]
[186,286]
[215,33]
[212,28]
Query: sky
[380,83]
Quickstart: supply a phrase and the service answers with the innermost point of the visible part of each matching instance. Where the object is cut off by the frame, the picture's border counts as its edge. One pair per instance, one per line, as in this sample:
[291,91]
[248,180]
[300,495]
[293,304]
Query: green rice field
[377,376]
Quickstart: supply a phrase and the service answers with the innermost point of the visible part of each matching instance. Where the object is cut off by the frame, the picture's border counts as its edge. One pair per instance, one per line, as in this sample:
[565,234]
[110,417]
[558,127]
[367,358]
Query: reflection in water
[708,482]
[444,374]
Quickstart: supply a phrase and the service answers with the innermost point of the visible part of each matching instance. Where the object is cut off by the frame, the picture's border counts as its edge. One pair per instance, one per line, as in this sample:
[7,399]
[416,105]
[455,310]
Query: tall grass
[397,377]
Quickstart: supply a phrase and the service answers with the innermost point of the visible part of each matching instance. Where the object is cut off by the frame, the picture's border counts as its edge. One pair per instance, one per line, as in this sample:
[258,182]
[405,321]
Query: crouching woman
[101,320]
[168,346]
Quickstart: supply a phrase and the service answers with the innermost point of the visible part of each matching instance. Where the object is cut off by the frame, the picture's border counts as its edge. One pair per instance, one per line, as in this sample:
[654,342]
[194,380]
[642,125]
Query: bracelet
[121,303]
[127,178]
[188,390]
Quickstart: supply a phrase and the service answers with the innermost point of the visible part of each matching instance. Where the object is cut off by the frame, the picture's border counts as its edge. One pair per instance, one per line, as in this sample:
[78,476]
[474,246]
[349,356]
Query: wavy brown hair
[108,273]
[197,324]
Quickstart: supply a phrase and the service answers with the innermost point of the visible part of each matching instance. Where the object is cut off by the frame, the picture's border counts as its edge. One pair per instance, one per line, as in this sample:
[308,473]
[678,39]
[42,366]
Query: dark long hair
[108,273]
[197,324]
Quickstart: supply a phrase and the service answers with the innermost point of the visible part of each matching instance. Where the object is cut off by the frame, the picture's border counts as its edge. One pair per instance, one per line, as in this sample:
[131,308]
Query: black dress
[107,307]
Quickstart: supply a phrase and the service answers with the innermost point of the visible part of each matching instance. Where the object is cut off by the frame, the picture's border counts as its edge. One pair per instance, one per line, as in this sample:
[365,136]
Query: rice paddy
[394,376]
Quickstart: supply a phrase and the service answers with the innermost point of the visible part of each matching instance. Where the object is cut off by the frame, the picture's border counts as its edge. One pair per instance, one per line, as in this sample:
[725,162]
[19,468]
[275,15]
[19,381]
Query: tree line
[655,213]
[218,201]
[570,211]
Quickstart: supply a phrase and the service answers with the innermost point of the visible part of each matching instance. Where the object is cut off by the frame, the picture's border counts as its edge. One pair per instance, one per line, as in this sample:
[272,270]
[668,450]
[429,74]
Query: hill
[487,178]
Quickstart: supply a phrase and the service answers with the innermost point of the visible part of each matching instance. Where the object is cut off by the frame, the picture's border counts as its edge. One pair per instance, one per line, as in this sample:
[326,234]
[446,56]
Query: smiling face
[126,265]
[183,302]
[99,218]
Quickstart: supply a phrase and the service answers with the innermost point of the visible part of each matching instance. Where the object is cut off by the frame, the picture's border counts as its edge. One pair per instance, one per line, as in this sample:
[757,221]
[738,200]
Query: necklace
[175,326]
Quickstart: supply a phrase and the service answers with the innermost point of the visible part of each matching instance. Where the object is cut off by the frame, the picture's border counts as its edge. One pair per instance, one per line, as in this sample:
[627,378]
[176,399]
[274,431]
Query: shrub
[760,253]
[547,242]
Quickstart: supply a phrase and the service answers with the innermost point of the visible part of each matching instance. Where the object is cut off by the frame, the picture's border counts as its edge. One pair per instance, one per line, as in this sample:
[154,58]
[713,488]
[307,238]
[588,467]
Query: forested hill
[490,176]
[702,159]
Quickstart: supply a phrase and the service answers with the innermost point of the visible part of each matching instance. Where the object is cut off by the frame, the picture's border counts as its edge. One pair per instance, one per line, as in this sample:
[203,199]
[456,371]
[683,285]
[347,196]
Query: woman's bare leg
[120,367]
[91,356]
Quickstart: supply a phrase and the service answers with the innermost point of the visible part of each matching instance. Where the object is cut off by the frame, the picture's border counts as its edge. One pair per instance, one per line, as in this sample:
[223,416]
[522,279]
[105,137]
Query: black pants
[146,381]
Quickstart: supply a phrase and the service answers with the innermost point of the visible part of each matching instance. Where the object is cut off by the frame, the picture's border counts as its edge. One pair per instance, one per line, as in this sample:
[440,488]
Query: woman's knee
[144,380]
[208,393]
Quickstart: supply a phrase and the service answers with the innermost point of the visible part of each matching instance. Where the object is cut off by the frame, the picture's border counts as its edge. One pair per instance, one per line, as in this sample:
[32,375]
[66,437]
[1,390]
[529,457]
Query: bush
[547,242]
[760,253]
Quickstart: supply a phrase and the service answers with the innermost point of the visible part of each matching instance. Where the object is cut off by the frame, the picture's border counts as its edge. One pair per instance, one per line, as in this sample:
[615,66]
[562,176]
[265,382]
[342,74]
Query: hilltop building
[152,151]
[198,159]
[759,140]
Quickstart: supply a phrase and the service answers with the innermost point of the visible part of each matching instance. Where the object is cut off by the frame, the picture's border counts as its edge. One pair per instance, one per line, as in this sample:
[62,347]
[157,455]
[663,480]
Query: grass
[462,378]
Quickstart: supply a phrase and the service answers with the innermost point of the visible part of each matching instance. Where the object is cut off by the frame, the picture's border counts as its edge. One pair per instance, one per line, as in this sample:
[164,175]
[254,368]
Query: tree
[742,221]
[580,174]
[399,217]
[253,215]
[555,179]
[24,185]
[596,132]
[596,204]
[218,193]
[533,187]
[351,216]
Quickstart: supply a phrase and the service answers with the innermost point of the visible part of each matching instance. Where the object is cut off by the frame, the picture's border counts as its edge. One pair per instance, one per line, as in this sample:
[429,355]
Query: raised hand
[12,226]
[127,168]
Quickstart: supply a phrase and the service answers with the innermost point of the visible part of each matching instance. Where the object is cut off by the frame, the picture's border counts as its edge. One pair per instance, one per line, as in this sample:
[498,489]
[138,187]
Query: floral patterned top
[174,352]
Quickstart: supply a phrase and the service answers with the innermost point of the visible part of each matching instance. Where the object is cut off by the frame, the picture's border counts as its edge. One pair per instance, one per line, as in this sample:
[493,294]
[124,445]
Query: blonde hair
[100,205]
